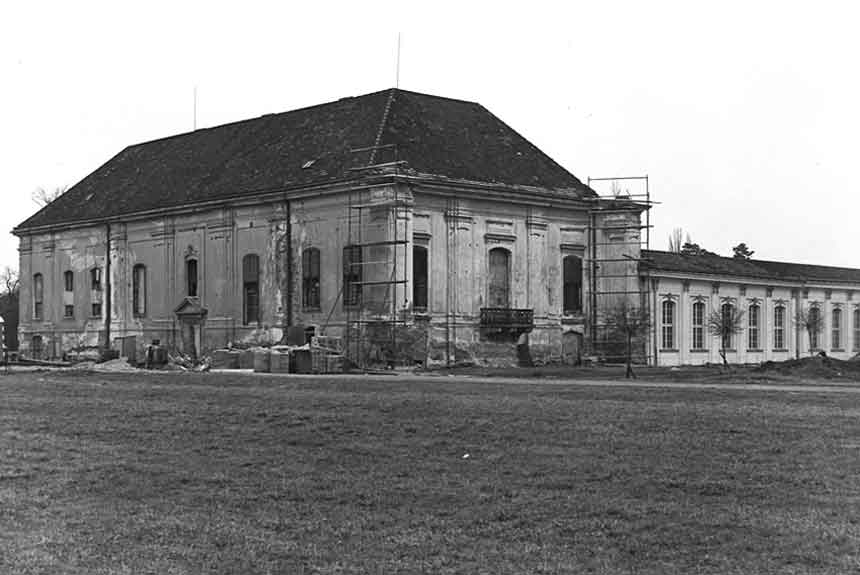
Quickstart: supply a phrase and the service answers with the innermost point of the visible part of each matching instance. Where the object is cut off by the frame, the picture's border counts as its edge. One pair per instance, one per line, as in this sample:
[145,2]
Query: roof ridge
[382,125]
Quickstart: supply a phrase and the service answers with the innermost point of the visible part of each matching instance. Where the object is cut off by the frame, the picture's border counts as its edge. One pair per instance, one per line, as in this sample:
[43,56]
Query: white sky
[744,115]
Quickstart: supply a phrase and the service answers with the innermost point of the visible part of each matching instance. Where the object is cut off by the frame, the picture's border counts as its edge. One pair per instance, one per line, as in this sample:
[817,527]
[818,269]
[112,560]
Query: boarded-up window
[499,278]
[251,289]
[572,293]
[69,281]
[38,294]
[191,277]
[311,279]
[138,290]
[419,278]
[352,275]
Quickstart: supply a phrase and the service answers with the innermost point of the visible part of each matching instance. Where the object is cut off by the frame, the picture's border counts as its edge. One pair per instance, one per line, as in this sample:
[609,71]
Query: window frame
[698,327]
[69,281]
[814,341]
[38,296]
[192,288]
[753,327]
[856,319]
[353,262]
[420,289]
[96,278]
[504,290]
[311,282]
[251,289]
[571,289]
[727,340]
[668,322]
[779,340]
[138,281]
[836,329]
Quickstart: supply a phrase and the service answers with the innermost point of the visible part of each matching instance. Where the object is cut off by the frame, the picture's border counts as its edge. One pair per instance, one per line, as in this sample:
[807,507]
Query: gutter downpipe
[107,289]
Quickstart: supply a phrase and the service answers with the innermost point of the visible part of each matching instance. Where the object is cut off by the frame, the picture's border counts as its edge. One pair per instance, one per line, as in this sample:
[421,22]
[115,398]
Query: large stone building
[397,217]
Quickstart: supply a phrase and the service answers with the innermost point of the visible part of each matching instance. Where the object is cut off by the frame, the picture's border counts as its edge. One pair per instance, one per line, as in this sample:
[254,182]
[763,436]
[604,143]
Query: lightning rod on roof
[397,76]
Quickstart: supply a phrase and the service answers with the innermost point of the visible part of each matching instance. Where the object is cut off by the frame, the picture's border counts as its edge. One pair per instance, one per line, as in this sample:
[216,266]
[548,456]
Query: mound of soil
[814,367]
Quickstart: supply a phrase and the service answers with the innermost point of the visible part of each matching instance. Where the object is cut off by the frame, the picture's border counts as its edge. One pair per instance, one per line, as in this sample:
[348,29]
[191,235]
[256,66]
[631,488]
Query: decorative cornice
[493,237]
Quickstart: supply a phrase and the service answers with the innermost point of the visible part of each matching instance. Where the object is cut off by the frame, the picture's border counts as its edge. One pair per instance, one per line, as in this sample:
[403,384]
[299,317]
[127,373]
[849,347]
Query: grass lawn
[182,473]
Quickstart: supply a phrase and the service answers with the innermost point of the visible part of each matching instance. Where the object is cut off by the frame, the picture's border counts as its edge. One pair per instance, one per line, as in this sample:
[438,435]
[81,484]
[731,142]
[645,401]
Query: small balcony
[506,322]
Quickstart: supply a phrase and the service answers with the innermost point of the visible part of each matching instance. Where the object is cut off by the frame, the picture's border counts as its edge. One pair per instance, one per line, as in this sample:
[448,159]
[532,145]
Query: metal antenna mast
[195,106]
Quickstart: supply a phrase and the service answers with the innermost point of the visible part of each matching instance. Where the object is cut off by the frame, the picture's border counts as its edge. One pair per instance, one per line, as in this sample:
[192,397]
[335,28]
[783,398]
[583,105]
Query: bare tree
[9,281]
[9,297]
[810,319]
[675,240]
[725,323]
[630,321]
[43,197]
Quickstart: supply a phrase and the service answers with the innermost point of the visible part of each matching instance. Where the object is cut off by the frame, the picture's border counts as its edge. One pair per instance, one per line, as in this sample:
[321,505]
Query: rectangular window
[251,289]
[68,311]
[813,327]
[38,293]
[699,325]
[779,327]
[311,279]
[191,277]
[69,281]
[752,331]
[352,275]
[96,279]
[668,331]
[138,290]
[857,330]
[572,288]
[836,329]
[97,310]
[419,279]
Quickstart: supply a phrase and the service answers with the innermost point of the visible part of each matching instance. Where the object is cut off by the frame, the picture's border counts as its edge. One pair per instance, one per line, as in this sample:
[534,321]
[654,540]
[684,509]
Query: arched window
[499,278]
[311,279]
[753,340]
[727,310]
[836,328]
[572,289]
[69,280]
[856,329]
[668,324]
[813,326]
[38,295]
[779,327]
[352,275]
[419,278]
[138,290]
[699,325]
[191,277]
[251,289]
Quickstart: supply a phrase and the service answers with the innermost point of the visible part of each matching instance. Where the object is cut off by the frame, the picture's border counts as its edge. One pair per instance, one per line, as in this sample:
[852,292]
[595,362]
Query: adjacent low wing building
[414,227]
[789,310]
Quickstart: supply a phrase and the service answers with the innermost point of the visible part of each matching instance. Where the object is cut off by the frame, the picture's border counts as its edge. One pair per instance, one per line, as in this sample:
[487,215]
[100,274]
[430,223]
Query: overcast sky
[745,116]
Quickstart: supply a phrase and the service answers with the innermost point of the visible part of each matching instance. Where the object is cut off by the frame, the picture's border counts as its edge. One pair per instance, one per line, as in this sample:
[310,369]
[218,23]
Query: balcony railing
[506,321]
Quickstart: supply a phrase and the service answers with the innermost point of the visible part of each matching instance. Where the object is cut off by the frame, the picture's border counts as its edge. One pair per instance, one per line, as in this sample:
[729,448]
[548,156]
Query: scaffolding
[374,267]
[619,306]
